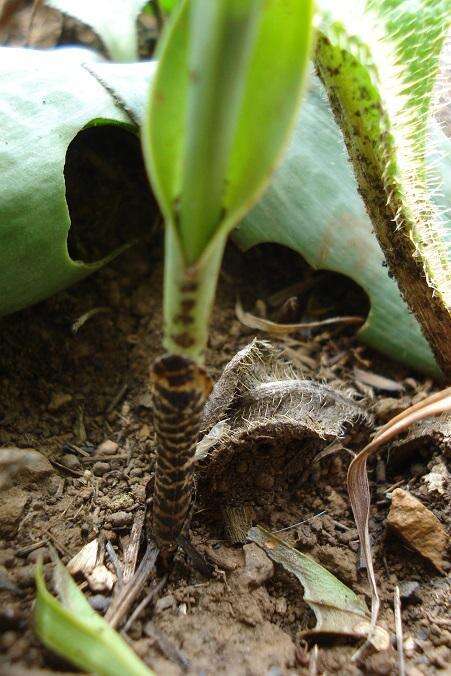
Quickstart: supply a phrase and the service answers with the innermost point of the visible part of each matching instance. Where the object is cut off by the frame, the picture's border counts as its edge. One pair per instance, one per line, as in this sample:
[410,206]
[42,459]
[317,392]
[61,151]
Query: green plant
[71,628]
[378,60]
[220,64]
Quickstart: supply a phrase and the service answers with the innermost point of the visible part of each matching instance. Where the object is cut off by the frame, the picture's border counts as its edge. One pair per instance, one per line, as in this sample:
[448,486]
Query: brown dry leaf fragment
[418,527]
[337,609]
[432,433]
[377,381]
[260,403]
[437,479]
[260,324]
[358,485]
[85,560]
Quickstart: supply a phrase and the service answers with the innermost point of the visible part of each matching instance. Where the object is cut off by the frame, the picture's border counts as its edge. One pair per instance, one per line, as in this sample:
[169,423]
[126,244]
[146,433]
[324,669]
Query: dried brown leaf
[358,485]
[260,324]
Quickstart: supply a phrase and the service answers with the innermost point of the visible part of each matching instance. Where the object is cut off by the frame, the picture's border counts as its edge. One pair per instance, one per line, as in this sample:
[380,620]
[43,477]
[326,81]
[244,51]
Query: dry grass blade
[398,628]
[260,324]
[358,486]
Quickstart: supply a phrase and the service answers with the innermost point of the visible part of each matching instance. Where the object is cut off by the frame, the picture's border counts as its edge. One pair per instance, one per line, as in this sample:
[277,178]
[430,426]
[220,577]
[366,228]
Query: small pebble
[100,468]
[70,461]
[120,518]
[100,602]
[408,590]
[107,447]
[164,603]
[8,639]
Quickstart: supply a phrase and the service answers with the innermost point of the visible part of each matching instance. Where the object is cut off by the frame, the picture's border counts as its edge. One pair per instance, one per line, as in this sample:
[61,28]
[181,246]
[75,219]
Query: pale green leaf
[208,121]
[71,628]
[337,609]
[114,21]
[47,98]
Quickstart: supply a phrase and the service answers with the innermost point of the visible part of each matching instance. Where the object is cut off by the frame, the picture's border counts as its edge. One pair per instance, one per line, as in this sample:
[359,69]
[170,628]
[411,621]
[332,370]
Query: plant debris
[264,424]
[418,527]
[337,609]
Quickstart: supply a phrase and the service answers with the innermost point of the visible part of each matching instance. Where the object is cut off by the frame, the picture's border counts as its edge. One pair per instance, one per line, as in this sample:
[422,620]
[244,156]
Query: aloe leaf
[313,207]
[337,609]
[114,21]
[47,98]
[71,628]
[200,154]
[379,61]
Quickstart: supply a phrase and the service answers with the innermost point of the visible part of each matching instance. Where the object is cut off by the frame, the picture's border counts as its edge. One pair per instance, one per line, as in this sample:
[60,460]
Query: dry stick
[129,592]
[131,552]
[313,661]
[398,629]
[253,322]
[166,646]
[179,390]
[144,603]
[358,485]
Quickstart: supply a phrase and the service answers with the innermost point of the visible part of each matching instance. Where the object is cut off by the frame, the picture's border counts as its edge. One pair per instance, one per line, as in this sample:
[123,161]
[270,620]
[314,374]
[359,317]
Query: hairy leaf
[71,628]
[313,207]
[378,60]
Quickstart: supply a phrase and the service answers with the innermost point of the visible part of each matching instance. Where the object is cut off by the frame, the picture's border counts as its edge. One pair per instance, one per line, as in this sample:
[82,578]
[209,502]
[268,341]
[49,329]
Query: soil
[66,392]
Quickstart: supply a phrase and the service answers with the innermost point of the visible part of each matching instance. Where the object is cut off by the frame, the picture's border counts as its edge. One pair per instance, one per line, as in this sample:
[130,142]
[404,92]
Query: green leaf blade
[76,632]
[214,131]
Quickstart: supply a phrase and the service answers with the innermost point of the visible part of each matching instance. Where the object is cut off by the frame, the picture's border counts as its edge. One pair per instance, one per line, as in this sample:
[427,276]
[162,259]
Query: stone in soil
[12,505]
[418,527]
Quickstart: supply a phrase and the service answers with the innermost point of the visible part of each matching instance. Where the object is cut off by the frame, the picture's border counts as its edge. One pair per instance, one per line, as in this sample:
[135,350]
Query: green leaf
[217,104]
[337,609]
[168,5]
[113,20]
[313,207]
[378,60]
[76,632]
[47,98]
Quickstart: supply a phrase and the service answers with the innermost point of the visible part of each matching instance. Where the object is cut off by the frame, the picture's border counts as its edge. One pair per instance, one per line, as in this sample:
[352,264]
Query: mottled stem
[179,389]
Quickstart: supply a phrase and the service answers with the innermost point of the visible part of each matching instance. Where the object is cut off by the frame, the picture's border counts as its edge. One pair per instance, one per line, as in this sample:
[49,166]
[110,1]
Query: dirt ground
[65,394]
[80,398]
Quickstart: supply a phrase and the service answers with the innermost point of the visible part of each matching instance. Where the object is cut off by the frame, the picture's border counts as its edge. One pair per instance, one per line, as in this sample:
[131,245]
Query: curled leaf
[261,324]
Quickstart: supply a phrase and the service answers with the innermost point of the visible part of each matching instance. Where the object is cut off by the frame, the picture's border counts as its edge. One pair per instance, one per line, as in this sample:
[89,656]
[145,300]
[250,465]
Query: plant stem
[180,387]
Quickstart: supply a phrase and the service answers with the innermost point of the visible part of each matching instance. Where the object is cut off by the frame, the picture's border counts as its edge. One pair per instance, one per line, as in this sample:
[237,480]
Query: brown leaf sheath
[179,390]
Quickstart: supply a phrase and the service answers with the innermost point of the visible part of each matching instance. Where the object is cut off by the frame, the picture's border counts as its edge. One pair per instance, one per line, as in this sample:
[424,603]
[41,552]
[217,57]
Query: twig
[116,563]
[78,323]
[313,661]
[121,604]
[437,620]
[131,552]
[166,646]
[260,324]
[144,603]
[117,398]
[398,629]
[295,525]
